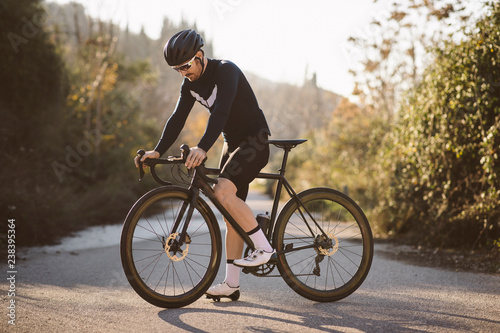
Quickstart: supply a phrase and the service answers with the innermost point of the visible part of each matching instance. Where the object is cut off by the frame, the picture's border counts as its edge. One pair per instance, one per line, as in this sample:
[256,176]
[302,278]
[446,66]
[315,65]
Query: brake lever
[184,152]
[141,153]
[184,155]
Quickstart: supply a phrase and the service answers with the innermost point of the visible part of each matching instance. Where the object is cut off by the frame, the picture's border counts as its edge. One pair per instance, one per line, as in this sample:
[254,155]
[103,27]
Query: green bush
[443,154]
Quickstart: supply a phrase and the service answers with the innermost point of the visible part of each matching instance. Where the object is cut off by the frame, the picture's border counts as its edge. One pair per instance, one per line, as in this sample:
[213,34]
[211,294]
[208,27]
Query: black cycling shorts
[242,165]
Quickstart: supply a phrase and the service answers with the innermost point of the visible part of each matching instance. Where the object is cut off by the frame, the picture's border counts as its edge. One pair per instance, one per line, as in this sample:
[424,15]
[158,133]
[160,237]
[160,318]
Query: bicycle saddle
[287,144]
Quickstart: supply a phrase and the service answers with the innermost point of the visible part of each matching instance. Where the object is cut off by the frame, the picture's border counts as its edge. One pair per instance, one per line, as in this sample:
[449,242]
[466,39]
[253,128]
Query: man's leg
[234,249]
[234,243]
[236,165]
[225,191]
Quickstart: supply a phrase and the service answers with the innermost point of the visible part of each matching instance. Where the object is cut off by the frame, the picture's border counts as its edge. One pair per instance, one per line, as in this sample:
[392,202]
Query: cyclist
[221,87]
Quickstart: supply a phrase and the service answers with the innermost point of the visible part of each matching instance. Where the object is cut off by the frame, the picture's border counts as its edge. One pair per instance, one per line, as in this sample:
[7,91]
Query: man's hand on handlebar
[196,157]
[190,157]
[148,154]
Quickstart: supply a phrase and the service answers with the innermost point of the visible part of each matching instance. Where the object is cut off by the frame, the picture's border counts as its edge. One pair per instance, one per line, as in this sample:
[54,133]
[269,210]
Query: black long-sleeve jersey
[233,107]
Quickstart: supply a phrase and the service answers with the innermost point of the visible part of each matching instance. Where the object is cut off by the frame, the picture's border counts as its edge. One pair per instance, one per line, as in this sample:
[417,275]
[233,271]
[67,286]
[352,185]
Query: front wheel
[323,266]
[162,269]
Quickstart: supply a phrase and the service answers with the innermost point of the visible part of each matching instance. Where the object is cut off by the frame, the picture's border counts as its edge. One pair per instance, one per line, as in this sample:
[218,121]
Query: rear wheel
[160,269]
[333,266]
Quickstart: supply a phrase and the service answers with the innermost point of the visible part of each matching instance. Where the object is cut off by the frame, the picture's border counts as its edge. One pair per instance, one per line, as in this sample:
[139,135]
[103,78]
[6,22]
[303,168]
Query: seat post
[283,163]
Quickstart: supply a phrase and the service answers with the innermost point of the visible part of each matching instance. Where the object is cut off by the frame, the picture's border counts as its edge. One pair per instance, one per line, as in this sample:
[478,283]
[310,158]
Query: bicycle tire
[160,275]
[343,266]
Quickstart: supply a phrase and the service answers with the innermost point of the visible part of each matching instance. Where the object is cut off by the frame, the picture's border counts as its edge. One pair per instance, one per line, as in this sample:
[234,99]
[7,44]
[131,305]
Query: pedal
[263,269]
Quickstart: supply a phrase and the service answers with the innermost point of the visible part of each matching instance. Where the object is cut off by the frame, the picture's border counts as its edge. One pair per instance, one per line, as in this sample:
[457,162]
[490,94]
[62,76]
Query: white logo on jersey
[207,103]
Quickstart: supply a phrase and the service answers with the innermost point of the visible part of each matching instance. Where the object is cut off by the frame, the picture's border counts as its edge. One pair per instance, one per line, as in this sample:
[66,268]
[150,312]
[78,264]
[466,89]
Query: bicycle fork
[172,244]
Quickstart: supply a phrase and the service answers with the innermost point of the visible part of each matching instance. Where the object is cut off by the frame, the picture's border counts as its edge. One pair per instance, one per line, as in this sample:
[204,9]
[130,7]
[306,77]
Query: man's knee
[224,190]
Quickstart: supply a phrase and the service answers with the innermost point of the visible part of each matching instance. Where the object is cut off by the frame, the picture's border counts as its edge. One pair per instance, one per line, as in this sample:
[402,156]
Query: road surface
[79,286]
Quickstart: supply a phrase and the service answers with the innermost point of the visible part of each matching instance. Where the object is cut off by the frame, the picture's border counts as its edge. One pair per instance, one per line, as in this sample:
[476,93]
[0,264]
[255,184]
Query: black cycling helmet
[182,47]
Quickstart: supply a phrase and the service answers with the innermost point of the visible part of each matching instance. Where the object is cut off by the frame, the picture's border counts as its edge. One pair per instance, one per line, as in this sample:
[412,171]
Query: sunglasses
[184,67]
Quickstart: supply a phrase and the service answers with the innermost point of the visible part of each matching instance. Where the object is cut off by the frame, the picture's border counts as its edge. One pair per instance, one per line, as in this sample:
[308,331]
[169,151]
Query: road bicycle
[171,244]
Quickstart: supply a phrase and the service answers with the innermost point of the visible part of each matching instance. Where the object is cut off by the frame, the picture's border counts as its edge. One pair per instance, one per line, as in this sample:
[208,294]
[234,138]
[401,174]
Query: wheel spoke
[338,269]
[170,276]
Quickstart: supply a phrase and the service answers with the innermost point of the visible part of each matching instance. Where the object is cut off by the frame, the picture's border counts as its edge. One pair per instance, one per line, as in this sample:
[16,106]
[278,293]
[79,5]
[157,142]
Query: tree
[33,89]
[33,77]
[394,49]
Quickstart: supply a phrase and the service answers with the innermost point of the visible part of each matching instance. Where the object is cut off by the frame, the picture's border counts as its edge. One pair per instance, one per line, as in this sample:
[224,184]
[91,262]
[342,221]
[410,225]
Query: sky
[284,41]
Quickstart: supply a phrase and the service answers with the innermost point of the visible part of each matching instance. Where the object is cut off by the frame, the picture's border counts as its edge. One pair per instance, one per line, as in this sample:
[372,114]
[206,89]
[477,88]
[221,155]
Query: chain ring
[174,256]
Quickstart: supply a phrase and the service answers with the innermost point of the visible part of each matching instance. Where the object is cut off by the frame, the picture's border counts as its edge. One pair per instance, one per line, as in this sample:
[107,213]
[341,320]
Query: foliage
[34,85]
[430,176]
[394,48]
[73,125]
[25,39]
[443,154]
[341,154]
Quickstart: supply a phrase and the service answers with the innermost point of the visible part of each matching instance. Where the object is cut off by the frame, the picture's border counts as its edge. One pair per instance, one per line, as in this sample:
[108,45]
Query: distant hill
[294,110]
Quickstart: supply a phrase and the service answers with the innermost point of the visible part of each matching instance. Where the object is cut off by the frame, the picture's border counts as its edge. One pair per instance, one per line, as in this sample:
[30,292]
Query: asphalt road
[79,286]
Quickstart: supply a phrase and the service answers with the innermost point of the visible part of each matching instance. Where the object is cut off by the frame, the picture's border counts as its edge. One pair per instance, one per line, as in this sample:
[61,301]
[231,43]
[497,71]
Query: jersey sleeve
[176,121]
[227,85]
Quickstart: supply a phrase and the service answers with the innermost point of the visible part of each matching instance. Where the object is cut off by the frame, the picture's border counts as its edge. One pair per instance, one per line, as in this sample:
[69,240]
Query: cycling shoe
[223,290]
[256,258]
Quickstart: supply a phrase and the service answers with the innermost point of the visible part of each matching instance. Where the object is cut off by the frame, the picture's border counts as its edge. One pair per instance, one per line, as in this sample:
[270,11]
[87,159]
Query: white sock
[259,239]
[232,274]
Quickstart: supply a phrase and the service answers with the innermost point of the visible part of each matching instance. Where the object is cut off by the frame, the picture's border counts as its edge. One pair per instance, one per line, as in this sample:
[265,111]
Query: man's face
[192,68]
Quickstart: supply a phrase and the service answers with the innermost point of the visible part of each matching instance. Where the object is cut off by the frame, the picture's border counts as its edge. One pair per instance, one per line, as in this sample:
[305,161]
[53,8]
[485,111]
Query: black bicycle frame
[201,182]
[283,182]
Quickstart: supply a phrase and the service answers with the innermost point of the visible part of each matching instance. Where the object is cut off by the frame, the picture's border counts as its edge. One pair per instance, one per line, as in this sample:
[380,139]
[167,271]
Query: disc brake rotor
[332,250]
[173,255]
